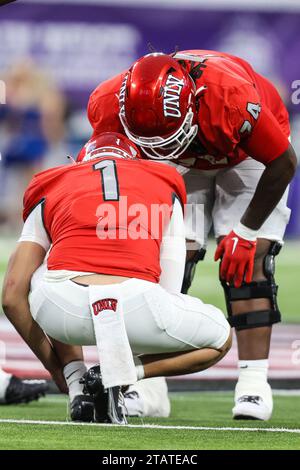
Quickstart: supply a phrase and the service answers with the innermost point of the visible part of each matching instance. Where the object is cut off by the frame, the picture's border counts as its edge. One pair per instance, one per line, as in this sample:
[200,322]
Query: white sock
[140,372]
[254,370]
[4,382]
[253,380]
[73,372]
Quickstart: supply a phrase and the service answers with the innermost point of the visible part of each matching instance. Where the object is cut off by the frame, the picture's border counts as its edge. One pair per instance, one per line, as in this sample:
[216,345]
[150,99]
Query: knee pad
[266,289]
[190,268]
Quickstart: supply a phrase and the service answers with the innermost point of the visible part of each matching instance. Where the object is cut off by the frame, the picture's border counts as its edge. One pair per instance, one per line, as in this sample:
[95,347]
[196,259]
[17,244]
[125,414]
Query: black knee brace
[190,267]
[256,290]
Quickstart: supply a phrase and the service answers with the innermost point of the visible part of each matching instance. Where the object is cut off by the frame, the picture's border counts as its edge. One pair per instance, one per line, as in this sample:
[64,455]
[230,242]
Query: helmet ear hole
[171,70]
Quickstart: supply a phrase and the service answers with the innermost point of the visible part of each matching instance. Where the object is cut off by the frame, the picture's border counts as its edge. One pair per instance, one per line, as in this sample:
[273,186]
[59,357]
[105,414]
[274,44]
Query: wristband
[245,232]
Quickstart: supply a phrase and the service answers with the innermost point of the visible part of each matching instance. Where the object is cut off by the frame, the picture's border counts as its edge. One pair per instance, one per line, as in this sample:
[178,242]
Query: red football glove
[237,256]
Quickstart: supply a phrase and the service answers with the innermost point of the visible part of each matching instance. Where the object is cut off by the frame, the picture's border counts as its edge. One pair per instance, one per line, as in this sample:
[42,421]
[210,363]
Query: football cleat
[82,409]
[148,397]
[251,407]
[24,391]
[133,404]
[253,399]
[107,402]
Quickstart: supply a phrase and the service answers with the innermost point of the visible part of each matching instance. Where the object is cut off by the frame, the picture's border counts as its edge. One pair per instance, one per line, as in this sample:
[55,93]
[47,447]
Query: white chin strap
[170,148]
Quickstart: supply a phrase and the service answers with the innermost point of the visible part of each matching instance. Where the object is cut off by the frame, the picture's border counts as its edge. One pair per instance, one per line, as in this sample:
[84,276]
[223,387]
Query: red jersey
[239,112]
[101,215]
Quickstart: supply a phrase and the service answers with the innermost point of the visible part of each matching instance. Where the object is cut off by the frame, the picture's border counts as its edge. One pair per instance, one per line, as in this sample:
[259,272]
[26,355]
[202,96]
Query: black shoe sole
[246,418]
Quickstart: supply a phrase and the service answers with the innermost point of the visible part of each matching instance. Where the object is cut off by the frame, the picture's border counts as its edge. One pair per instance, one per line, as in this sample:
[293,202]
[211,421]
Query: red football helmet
[108,144]
[157,106]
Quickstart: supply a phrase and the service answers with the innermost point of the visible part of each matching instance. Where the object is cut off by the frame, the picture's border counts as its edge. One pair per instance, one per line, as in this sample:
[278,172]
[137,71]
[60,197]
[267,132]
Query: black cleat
[24,391]
[107,401]
[82,409]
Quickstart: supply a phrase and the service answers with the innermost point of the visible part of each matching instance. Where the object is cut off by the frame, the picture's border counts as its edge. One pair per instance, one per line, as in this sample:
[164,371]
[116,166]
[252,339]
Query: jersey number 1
[109,179]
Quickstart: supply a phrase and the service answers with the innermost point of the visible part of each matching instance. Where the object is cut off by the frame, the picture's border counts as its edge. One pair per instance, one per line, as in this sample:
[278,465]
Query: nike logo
[72,373]
[235,242]
[244,367]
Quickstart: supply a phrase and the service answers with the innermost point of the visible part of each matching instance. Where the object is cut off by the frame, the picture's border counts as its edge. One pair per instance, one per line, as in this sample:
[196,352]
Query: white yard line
[148,426]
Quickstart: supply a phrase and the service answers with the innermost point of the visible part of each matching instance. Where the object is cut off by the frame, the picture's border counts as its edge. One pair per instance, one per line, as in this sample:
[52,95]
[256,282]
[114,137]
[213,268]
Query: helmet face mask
[157,106]
[169,148]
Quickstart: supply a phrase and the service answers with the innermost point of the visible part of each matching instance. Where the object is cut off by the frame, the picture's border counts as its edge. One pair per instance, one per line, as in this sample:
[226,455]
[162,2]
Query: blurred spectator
[53,120]
[31,120]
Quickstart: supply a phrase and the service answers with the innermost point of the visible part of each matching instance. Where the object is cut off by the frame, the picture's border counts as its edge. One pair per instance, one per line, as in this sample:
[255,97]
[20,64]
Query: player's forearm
[270,189]
[18,313]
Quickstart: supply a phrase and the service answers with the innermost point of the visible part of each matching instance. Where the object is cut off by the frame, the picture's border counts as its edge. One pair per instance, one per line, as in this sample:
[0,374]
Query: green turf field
[207,287]
[206,410]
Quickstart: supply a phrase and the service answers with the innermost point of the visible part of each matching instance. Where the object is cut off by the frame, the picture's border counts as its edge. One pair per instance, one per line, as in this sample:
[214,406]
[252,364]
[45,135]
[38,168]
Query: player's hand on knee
[237,259]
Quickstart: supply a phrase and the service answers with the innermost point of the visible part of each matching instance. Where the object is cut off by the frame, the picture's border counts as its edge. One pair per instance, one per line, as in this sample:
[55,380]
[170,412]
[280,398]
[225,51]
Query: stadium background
[53,53]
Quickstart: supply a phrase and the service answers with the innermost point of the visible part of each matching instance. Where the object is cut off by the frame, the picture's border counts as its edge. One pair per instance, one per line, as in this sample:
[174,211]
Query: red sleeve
[251,125]
[180,189]
[243,112]
[33,195]
[227,114]
[267,140]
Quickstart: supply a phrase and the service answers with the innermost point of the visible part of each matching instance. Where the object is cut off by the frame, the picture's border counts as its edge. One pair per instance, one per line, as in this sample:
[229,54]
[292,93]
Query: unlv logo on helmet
[172,93]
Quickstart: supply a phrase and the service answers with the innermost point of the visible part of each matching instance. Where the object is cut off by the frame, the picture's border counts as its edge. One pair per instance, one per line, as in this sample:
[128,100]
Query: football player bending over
[227,130]
[114,273]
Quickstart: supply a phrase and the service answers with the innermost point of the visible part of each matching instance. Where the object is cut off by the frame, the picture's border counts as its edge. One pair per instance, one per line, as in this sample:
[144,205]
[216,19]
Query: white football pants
[155,320]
